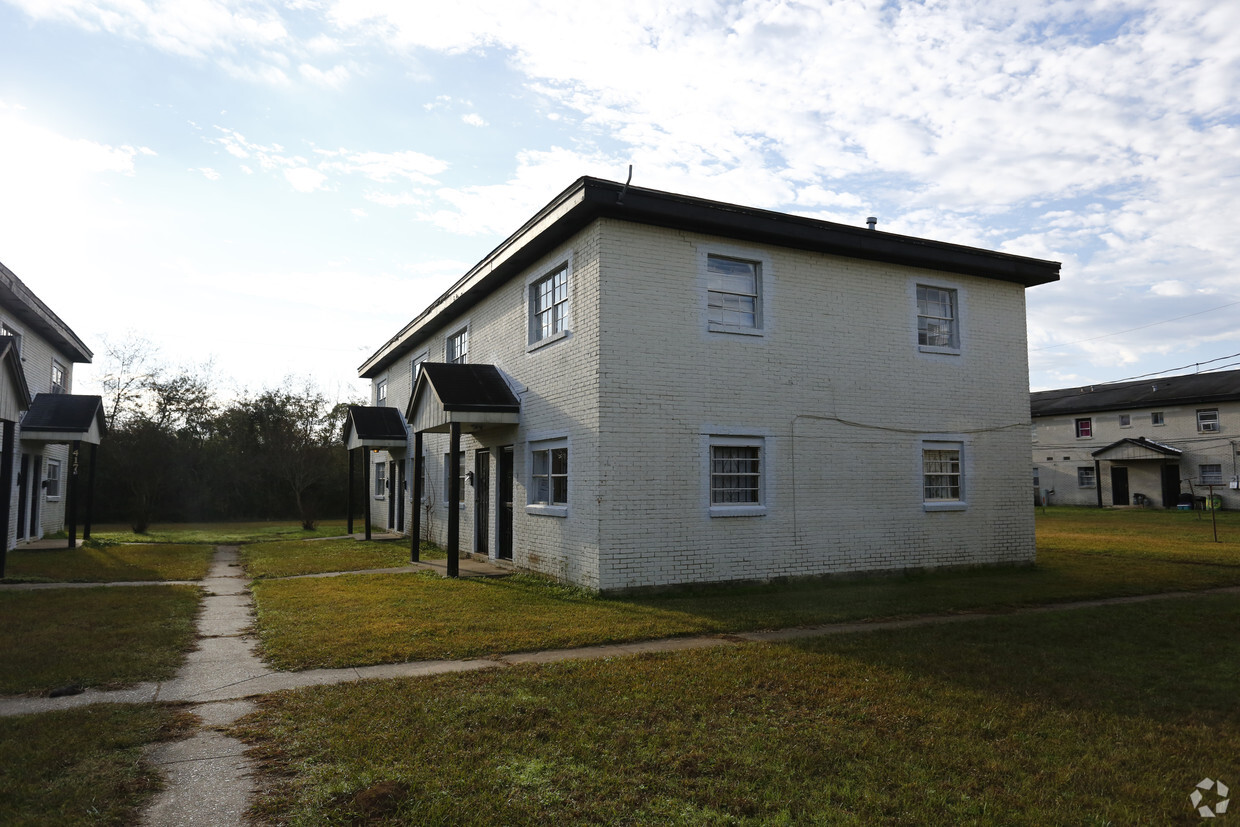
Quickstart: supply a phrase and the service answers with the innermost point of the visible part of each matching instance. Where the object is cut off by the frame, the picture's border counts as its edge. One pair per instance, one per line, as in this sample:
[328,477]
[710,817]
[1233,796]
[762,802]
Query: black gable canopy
[63,418]
[475,396]
[368,427]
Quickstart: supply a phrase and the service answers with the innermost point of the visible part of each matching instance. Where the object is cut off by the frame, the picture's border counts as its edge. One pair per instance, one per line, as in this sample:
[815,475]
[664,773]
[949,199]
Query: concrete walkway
[209,778]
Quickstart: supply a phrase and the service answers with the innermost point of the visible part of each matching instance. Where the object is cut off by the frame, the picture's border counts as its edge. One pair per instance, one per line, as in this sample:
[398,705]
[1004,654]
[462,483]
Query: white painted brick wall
[836,387]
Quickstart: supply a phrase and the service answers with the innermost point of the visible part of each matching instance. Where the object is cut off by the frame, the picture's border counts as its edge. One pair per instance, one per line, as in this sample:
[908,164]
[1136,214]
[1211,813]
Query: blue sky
[278,188]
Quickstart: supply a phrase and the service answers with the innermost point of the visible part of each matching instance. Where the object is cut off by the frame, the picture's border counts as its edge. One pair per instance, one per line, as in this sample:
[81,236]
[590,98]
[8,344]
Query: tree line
[178,450]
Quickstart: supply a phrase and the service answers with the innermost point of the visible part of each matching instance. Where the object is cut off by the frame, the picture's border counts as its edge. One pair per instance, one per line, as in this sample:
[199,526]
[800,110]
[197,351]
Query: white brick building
[41,422]
[706,392]
[1155,440]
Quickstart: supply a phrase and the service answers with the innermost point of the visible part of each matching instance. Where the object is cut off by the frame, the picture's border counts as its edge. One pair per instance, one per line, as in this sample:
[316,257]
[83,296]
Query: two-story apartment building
[655,389]
[43,424]
[1149,441]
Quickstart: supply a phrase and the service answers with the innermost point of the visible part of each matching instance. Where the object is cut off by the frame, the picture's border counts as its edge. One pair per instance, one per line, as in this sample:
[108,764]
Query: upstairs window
[7,330]
[1156,418]
[59,383]
[456,349]
[1125,420]
[1084,428]
[733,300]
[381,393]
[549,306]
[1207,421]
[937,326]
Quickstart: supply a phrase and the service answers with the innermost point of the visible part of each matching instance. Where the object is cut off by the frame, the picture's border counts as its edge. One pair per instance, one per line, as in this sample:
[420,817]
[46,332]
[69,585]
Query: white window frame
[1086,476]
[379,479]
[723,509]
[461,333]
[447,461]
[1208,421]
[1157,419]
[1089,426]
[929,448]
[63,385]
[1125,420]
[922,309]
[1214,477]
[381,389]
[762,287]
[414,364]
[533,292]
[51,476]
[548,445]
[7,329]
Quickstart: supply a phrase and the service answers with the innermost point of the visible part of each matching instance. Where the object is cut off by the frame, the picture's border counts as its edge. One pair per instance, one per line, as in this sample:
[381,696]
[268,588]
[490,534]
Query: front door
[505,503]
[1119,485]
[391,495]
[482,502]
[1170,486]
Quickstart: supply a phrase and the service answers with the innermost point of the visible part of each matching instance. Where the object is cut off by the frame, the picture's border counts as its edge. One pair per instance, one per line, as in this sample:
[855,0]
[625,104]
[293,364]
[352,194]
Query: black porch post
[90,491]
[454,501]
[352,496]
[1098,480]
[75,450]
[6,486]
[366,491]
[415,501]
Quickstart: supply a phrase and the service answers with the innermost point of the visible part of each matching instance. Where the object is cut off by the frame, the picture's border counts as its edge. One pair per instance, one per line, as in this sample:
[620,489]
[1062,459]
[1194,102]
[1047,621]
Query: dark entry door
[1170,486]
[1119,485]
[505,503]
[391,495]
[482,502]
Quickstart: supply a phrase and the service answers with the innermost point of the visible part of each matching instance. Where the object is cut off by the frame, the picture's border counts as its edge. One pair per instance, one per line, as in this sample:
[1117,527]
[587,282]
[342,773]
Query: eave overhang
[19,301]
[1137,449]
[374,428]
[589,199]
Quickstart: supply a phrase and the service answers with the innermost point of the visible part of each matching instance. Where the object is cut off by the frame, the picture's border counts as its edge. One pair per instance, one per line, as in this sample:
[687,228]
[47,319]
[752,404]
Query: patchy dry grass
[109,563]
[1104,716]
[218,533]
[1185,536]
[83,766]
[292,557]
[102,637]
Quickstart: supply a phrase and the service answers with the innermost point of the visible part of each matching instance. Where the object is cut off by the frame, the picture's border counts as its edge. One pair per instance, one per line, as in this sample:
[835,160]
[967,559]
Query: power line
[1133,329]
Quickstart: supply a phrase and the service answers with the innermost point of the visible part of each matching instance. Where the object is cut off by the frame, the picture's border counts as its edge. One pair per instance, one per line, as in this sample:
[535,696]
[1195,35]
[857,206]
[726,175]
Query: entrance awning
[64,418]
[474,396]
[367,427]
[1136,450]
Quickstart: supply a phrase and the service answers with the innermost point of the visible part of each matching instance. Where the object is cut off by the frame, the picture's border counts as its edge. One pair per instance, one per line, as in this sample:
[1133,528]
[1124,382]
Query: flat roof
[589,199]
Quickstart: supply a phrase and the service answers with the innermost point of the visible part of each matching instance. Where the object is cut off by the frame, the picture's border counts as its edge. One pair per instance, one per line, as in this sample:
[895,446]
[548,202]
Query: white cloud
[473,119]
[208,173]
[305,179]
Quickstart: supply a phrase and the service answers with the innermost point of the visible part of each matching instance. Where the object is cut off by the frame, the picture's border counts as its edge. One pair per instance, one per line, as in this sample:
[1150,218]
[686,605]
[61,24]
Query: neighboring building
[43,422]
[655,389]
[1151,440]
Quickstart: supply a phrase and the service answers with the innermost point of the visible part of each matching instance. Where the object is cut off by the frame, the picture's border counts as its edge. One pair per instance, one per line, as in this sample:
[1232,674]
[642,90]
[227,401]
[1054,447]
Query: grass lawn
[356,620]
[1102,716]
[82,766]
[1167,535]
[101,637]
[290,557]
[109,563]
[219,533]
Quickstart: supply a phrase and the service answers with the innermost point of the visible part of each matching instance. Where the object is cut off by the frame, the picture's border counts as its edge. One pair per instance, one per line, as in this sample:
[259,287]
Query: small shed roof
[64,417]
[374,427]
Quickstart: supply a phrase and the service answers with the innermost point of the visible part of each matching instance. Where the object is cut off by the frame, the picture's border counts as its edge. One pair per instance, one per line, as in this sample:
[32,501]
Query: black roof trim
[1188,389]
[64,413]
[18,299]
[592,198]
[469,388]
[369,423]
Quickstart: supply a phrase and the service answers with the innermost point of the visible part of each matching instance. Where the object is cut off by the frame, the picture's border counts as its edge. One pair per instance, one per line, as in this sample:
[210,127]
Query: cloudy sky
[279,187]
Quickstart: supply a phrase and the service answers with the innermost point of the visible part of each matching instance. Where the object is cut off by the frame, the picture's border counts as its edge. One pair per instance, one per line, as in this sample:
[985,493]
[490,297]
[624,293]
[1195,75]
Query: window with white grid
[549,305]
[937,322]
[549,476]
[733,293]
[456,349]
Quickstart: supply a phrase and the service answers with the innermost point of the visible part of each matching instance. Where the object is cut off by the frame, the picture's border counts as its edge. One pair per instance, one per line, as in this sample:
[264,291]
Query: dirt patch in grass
[110,563]
[83,766]
[110,636]
[1085,717]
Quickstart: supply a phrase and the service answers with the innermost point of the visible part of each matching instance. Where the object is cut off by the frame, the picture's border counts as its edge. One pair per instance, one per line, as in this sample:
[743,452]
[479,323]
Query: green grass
[1103,716]
[94,637]
[292,557]
[357,620]
[82,766]
[109,563]
[1186,536]
[219,533]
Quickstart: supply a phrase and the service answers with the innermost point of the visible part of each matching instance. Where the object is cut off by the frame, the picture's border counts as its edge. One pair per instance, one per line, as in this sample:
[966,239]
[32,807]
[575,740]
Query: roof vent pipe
[872,223]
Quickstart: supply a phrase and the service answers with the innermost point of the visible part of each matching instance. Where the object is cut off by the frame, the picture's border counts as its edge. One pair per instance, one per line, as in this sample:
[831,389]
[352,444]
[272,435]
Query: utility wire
[1133,329]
